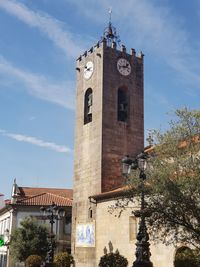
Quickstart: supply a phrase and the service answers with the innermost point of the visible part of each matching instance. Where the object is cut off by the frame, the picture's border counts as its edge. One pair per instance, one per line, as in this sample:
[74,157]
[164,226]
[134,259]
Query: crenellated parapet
[122,51]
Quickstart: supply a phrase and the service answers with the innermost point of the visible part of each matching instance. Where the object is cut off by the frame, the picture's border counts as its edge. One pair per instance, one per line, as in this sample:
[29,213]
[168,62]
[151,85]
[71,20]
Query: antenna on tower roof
[110,33]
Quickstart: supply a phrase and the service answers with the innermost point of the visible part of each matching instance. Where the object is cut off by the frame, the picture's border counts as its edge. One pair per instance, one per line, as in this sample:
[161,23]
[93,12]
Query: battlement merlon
[122,52]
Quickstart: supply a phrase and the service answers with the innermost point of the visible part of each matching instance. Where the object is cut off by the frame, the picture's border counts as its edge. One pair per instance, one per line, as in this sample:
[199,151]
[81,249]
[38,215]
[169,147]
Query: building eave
[110,195]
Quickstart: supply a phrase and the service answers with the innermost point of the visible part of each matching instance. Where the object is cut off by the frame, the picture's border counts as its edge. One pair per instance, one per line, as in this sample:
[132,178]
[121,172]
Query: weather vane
[110,33]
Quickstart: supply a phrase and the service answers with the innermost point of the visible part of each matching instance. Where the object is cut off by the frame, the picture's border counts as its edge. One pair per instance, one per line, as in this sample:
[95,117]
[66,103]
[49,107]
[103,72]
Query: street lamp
[142,245]
[52,213]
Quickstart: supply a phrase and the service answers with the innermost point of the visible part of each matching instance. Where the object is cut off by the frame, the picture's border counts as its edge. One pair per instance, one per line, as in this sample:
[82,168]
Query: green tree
[174,177]
[173,181]
[29,238]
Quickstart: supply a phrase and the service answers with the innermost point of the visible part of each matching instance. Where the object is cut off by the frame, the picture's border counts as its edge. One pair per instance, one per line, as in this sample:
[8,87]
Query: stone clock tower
[109,125]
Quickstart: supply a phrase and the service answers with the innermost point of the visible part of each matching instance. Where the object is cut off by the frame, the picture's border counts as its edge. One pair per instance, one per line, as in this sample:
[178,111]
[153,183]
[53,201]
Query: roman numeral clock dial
[123,66]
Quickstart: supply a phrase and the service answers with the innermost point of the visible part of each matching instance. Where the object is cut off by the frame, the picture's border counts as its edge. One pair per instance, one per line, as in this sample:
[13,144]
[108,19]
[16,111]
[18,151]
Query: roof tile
[32,191]
[45,199]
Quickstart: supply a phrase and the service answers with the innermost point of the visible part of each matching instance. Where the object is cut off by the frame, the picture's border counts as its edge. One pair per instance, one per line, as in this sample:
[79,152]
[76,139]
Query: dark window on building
[122,109]
[88,106]
[68,225]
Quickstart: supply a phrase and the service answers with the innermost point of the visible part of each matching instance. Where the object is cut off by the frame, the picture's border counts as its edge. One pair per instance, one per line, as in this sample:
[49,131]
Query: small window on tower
[122,105]
[88,106]
[90,213]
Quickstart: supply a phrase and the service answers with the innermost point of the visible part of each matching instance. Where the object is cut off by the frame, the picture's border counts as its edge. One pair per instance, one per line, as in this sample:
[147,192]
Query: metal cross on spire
[110,33]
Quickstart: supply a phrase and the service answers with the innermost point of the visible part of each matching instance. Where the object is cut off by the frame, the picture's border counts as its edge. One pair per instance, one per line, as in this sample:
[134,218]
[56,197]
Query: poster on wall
[85,235]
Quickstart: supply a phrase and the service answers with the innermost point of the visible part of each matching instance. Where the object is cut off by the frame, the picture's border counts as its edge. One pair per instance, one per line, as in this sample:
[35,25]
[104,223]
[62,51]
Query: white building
[26,202]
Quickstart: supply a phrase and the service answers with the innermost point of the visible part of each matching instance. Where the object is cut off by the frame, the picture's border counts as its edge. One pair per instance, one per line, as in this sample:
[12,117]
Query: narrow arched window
[88,106]
[122,109]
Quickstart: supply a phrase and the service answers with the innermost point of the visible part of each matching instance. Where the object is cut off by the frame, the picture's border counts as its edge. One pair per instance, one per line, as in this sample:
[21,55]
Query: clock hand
[126,66]
[87,69]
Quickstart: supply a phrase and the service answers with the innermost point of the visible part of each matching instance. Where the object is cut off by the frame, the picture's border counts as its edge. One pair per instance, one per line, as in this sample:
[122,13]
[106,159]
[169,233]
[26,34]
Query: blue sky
[40,40]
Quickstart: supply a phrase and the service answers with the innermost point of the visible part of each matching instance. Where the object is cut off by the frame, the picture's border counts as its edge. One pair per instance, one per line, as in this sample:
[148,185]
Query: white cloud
[48,25]
[40,86]
[35,141]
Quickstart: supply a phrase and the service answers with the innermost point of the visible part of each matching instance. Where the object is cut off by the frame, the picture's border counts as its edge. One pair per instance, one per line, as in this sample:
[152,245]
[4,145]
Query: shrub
[33,261]
[63,259]
[187,258]
[113,260]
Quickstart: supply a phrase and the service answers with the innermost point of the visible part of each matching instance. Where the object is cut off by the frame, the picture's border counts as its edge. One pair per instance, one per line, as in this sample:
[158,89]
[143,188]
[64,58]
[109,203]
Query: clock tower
[109,125]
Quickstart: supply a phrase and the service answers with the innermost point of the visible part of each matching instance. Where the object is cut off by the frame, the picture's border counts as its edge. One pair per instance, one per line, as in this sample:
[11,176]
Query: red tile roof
[37,196]
[32,191]
[45,199]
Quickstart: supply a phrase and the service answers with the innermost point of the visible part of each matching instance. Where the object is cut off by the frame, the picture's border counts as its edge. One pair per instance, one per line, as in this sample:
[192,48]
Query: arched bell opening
[88,106]
[122,105]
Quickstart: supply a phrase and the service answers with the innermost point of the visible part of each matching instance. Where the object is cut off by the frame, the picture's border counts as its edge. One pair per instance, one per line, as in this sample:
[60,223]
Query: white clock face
[88,69]
[124,66]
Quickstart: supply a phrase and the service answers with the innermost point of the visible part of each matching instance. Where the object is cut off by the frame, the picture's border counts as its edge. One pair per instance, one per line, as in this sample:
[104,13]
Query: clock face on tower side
[88,70]
[123,66]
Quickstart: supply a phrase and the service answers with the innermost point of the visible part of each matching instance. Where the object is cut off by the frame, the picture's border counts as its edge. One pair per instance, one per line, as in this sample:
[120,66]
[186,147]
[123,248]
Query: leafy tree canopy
[29,238]
[173,181]
[174,177]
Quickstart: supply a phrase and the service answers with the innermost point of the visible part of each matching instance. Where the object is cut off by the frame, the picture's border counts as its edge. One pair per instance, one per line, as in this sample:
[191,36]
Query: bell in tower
[88,106]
